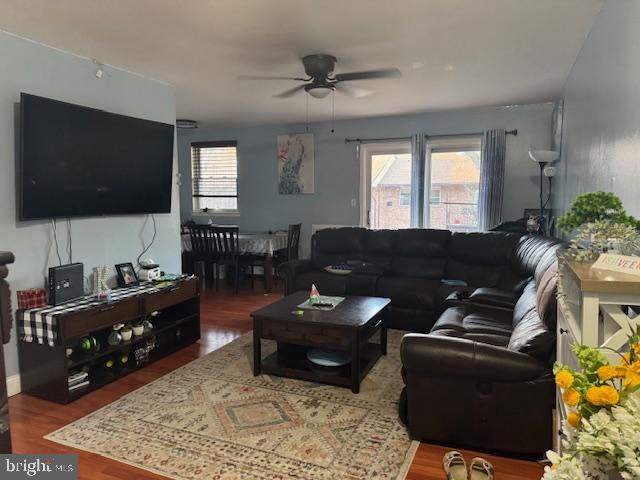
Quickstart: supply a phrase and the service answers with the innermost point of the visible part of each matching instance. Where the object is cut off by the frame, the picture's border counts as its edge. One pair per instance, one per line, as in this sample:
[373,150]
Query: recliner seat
[487,356]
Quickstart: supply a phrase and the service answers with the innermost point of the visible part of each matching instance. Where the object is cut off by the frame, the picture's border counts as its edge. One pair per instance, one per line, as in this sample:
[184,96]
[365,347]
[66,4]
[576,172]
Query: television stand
[45,369]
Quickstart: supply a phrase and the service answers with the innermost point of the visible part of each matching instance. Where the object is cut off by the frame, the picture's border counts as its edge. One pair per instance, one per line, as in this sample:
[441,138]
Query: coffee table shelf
[302,368]
[348,327]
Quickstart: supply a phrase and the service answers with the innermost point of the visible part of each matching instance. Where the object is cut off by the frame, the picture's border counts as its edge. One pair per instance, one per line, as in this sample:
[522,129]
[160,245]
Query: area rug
[212,419]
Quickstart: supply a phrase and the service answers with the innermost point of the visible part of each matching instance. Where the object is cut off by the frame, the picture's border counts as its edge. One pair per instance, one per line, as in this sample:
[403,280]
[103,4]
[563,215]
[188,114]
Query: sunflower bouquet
[602,431]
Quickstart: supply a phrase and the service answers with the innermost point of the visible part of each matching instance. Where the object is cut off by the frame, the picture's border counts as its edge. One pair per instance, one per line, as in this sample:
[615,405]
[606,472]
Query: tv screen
[79,161]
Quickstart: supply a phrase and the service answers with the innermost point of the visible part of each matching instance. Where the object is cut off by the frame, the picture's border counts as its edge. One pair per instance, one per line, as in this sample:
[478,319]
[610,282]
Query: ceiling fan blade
[369,74]
[266,77]
[290,92]
[353,92]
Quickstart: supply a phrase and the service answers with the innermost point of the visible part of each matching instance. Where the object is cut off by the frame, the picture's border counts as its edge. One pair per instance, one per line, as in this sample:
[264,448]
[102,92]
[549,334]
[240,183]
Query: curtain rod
[373,140]
[513,132]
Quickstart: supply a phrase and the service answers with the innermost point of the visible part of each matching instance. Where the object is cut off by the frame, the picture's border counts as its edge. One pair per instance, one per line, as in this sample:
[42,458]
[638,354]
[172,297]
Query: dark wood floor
[225,316]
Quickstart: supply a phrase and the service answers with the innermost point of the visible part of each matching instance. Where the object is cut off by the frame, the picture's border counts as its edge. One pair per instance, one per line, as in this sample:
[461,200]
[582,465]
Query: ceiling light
[319,91]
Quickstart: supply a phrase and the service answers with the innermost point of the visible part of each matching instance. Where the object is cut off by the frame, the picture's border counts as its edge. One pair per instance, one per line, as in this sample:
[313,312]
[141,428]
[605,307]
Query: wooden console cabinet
[44,369]
[594,310]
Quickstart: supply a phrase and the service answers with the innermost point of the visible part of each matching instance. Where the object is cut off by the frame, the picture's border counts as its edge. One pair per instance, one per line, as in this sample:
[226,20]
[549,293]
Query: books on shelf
[78,385]
[78,379]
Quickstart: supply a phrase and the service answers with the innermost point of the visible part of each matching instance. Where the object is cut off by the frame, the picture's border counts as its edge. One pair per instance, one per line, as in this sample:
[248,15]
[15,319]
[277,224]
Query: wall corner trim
[13,385]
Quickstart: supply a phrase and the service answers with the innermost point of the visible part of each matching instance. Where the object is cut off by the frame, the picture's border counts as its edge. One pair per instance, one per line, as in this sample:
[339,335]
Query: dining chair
[228,253]
[291,251]
[203,249]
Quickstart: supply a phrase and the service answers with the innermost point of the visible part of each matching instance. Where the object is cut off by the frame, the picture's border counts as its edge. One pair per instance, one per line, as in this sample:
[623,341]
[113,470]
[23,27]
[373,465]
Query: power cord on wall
[55,239]
[153,239]
[69,241]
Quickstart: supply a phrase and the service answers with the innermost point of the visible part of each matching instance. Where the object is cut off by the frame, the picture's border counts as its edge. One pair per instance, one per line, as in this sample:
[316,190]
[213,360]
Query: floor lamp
[544,158]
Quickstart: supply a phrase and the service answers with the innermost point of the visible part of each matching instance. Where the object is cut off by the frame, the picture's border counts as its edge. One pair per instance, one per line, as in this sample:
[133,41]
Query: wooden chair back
[226,239]
[293,241]
[202,241]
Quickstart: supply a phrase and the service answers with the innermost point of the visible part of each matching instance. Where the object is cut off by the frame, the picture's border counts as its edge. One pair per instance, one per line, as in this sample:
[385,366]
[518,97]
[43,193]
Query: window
[453,182]
[435,196]
[385,185]
[405,197]
[214,175]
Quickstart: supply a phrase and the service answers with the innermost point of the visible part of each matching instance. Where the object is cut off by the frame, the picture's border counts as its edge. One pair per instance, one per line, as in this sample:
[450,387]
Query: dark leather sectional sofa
[477,371]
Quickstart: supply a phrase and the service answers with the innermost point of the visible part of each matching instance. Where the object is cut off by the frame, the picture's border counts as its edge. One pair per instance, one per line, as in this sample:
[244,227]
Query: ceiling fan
[320,79]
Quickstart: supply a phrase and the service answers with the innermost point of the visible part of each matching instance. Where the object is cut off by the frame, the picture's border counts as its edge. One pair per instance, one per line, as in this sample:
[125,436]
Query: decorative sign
[618,263]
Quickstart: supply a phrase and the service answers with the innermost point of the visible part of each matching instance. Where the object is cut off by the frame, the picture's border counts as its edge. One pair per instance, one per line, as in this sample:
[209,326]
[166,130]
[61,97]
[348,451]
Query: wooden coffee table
[348,327]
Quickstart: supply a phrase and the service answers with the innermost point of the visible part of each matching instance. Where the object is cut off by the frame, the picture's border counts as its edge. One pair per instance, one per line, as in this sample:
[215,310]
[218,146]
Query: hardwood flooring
[225,316]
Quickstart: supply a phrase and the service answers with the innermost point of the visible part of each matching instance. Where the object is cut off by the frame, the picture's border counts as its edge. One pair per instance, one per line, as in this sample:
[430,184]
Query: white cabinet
[593,310]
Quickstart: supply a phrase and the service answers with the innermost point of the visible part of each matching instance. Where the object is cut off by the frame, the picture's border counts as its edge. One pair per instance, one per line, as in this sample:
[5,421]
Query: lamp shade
[544,156]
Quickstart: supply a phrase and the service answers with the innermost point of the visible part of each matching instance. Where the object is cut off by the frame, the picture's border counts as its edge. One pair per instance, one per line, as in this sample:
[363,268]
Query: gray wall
[337,169]
[29,67]
[601,141]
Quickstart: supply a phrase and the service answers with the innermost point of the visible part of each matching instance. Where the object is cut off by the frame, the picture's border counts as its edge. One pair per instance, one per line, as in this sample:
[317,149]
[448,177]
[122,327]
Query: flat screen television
[78,161]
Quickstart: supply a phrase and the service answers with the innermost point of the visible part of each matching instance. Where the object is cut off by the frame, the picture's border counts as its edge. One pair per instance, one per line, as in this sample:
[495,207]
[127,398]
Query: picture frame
[296,164]
[127,275]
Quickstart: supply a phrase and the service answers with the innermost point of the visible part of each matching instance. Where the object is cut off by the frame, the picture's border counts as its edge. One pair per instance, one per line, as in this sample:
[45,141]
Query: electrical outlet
[353,203]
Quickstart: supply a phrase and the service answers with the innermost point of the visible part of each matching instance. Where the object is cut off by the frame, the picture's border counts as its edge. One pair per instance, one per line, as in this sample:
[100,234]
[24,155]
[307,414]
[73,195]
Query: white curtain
[494,148]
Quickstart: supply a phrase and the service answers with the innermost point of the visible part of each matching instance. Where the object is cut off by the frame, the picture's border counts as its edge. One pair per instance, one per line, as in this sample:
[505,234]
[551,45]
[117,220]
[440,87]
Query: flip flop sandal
[480,469]
[454,466]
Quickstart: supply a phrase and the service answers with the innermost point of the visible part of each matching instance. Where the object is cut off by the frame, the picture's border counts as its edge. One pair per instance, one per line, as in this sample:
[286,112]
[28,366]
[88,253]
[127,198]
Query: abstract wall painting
[295,164]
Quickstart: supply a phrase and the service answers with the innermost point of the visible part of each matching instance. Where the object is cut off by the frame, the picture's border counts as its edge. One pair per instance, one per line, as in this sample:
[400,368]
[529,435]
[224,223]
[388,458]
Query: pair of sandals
[456,468]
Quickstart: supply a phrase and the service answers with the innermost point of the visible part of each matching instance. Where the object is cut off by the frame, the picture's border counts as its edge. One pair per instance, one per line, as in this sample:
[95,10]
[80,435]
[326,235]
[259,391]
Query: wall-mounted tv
[78,161]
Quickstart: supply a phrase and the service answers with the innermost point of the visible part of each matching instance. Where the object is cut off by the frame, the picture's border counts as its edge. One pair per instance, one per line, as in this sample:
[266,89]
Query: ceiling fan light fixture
[319,91]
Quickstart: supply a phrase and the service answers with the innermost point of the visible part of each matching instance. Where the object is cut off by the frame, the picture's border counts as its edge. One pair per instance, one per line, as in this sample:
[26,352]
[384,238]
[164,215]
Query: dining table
[254,243]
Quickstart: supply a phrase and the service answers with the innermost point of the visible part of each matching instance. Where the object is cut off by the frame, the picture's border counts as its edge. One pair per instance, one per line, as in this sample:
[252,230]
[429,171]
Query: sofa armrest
[288,271]
[462,358]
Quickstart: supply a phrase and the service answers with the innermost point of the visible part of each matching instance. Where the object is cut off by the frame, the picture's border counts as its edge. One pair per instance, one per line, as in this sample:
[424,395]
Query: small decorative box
[33,298]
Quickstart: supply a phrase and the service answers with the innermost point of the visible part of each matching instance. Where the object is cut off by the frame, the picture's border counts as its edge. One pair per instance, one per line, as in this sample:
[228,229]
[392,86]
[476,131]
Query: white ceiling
[452,53]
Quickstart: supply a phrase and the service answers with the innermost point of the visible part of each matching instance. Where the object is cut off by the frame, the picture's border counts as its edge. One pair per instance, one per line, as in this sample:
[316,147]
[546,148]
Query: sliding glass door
[386,185]
[452,167]
[451,185]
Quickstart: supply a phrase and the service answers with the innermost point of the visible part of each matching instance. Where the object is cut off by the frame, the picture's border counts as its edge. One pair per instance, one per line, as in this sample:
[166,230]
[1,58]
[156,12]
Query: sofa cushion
[482,259]
[358,284]
[327,283]
[532,336]
[476,275]
[533,252]
[470,319]
[379,247]
[483,248]
[418,293]
[525,303]
[546,301]
[333,246]
[491,339]
[495,297]
[420,253]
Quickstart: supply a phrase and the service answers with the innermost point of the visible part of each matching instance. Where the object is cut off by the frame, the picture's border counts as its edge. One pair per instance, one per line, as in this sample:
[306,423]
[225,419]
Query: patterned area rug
[211,419]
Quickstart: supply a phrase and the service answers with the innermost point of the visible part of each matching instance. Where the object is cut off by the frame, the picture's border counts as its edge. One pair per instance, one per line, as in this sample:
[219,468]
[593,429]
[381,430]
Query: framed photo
[126,275]
[295,164]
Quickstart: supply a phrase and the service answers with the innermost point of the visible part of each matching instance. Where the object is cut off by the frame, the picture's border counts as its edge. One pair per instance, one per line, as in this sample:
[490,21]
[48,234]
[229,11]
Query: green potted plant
[595,206]
[599,223]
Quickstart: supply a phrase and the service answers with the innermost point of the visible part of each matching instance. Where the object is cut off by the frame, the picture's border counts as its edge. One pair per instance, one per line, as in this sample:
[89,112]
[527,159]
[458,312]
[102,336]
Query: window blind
[214,169]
